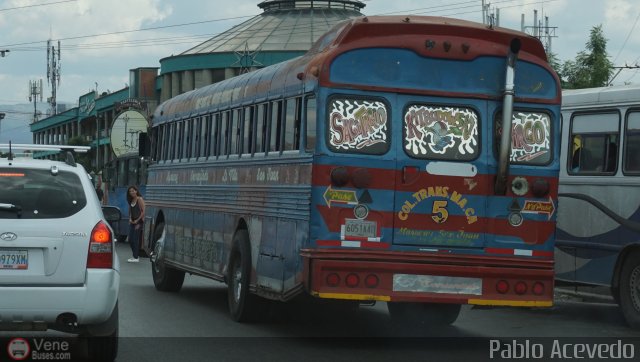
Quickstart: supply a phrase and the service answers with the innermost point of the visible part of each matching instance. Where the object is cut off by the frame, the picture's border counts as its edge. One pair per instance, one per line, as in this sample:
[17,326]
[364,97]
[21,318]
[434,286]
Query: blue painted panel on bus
[402,68]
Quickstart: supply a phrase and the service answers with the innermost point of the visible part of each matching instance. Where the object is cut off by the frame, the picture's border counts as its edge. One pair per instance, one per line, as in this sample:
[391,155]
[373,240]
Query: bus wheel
[243,306]
[426,314]
[164,278]
[630,289]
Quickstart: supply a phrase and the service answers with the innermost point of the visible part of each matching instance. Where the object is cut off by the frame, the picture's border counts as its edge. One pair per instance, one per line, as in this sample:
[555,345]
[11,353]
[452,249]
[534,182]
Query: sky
[101,40]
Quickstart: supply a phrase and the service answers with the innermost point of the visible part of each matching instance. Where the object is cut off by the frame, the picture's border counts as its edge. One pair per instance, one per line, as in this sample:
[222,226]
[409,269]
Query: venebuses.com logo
[18,349]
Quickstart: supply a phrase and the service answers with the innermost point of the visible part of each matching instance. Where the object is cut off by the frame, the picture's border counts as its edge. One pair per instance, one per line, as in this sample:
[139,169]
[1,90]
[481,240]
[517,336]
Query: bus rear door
[441,181]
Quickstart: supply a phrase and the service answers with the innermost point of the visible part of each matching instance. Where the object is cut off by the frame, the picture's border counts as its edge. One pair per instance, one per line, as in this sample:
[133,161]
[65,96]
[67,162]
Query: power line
[133,31]
[449,7]
[37,5]
[628,36]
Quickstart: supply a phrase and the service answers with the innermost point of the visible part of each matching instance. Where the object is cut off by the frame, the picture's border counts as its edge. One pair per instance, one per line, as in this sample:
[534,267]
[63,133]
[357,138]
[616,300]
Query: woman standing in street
[136,220]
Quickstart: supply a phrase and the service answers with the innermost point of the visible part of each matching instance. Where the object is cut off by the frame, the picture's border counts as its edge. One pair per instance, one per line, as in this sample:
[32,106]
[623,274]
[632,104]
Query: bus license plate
[14,259]
[360,228]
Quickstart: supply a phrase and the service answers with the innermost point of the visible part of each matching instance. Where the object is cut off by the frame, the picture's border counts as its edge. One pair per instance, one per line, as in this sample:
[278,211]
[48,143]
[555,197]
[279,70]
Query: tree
[82,158]
[554,62]
[592,67]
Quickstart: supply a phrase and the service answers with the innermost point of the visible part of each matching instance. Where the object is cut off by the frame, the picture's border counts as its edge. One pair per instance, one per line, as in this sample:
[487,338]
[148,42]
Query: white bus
[598,234]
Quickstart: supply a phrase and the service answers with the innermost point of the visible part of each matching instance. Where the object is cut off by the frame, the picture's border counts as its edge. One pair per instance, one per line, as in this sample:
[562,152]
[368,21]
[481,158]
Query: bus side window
[195,136]
[188,127]
[261,127]
[122,173]
[215,134]
[224,134]
[291,120]
[275,127]
[632,143]
[172,141]
[234,131]
[595,143]
[206,137]
[247,131]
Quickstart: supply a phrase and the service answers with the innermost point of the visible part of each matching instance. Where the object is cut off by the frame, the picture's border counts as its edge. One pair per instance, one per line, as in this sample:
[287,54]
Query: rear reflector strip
[353,244]
[520,252]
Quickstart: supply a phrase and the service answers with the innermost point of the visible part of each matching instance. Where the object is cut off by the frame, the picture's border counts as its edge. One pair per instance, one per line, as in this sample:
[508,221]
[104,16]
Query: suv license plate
[14,259]
[360,228]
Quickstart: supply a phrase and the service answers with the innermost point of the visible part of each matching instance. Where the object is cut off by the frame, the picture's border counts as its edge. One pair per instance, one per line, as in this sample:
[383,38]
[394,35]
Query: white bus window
[632,144]
[595,143]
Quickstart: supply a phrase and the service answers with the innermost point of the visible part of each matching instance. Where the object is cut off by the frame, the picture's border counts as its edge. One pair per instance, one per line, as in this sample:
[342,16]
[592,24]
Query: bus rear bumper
[428,278]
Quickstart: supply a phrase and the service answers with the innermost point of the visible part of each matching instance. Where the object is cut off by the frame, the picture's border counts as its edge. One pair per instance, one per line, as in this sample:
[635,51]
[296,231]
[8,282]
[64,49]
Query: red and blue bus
[373,168]
[118,174]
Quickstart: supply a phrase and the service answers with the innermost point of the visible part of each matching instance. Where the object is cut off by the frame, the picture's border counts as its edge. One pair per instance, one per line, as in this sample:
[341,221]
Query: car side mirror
[111,213]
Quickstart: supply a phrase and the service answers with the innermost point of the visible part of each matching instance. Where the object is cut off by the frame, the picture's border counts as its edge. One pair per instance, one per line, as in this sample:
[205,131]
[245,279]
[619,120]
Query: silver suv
[58,264]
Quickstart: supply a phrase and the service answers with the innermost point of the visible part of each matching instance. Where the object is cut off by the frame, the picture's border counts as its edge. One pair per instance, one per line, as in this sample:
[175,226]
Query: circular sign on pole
[126,130]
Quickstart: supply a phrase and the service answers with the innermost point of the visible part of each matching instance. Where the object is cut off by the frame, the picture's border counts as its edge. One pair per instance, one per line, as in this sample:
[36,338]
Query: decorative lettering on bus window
[530,137]
[444,133]
[358,126]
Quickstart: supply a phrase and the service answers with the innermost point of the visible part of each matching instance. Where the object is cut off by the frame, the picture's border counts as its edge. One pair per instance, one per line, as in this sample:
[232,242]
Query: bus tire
[165,279]
[243,306]
[630,289]
[424,314]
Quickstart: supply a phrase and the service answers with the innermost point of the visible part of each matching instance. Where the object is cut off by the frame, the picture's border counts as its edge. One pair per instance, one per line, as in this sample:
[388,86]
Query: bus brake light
[520,288]
[339,176]
[502,287]
[352,280]
[333,280]
[540,188]
[371,281]
[538,288]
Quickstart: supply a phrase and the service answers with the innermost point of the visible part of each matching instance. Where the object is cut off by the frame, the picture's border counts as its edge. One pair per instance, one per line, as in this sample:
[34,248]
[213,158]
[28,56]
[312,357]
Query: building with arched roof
[285,29]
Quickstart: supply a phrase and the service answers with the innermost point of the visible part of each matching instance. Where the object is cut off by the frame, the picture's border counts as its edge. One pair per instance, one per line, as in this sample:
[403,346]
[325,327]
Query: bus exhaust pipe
[507,114]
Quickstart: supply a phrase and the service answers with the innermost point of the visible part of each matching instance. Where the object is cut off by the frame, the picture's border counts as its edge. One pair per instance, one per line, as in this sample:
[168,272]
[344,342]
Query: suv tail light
[100,247]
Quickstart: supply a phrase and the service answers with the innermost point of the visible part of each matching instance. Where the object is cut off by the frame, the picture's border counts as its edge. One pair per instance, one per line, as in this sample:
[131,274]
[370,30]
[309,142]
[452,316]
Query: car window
[39,194]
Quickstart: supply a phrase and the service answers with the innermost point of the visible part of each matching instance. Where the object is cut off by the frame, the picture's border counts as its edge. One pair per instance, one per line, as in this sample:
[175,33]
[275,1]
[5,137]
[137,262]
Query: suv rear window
[38,194]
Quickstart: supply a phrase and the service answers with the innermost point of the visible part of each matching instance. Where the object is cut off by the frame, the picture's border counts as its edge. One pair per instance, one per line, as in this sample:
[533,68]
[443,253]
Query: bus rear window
[530,138]
[358,126]
[441,133]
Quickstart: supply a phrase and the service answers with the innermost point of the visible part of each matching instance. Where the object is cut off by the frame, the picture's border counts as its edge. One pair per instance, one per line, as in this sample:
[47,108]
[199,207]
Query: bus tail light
[538,288]
[371,281]
[502,287]
[339,176]
[520,288]
[333,280]
[352,280]
[540,188]
[361,178]
[100,247]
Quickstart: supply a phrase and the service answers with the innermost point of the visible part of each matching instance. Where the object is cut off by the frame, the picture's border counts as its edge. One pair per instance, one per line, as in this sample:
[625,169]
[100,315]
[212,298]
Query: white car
[58,264]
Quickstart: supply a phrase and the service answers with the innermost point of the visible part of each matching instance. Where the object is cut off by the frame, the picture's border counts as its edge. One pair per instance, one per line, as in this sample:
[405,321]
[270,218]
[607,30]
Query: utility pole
[35,90]
[543,32]
[53,73]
